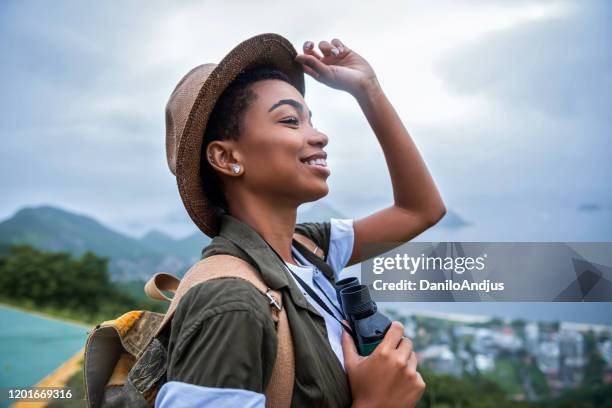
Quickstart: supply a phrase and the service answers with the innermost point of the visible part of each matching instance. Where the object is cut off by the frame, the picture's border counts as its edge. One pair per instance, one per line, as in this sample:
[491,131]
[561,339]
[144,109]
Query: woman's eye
[291,120]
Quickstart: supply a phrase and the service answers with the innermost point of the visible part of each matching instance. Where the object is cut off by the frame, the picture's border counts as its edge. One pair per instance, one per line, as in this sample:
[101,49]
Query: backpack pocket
[124,364]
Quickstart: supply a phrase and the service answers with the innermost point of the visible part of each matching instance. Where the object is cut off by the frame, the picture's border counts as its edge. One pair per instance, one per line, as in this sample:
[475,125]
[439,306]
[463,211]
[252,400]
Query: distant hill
[322,211]
[184,247]
[54,229]
[452,220]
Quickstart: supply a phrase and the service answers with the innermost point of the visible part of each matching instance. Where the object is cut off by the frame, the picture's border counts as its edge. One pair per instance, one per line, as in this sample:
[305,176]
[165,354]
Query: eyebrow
[298,106]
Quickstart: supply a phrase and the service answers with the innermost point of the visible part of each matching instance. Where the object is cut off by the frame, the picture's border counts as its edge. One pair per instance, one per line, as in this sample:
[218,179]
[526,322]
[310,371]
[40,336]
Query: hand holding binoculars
[367,324]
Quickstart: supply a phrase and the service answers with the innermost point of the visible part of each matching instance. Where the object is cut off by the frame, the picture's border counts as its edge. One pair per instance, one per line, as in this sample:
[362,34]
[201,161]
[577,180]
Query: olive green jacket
[223,335]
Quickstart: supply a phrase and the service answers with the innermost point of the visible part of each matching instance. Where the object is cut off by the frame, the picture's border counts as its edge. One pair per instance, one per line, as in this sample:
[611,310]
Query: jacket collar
[246,238]
[240,239]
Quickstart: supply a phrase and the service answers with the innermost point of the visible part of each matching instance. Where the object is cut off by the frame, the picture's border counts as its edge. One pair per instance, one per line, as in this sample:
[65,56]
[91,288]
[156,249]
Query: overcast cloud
[508,102]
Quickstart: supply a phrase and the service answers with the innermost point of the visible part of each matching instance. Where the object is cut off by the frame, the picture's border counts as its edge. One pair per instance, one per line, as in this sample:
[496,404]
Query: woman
[245,153]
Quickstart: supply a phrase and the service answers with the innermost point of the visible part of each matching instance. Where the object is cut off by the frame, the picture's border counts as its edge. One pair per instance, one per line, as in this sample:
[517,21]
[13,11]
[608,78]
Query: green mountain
[452,220]
[53,229]
[188,247]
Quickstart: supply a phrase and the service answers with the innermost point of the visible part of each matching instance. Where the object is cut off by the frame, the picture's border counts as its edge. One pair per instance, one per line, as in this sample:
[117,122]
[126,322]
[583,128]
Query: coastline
[470,318]
[588,313]
[455,317]
[57,378]
[47,316]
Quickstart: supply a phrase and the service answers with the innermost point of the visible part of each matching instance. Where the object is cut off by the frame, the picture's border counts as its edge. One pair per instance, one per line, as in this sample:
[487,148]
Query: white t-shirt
[342,237]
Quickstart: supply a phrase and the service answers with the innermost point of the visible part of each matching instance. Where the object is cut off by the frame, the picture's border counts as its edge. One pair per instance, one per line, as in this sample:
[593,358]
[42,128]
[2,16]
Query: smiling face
[280,152]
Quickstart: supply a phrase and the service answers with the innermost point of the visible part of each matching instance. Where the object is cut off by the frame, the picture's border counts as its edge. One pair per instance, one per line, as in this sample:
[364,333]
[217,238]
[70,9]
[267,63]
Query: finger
[420,383]
[311,72]
[351,357]
[312,62]
[404,349]
[392,338]
[340,45]
[412,361]
[309,49]
[328,50]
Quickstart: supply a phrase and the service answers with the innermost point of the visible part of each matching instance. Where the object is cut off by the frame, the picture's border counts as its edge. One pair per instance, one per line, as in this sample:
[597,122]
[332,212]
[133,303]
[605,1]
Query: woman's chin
[320,192]
[315,193]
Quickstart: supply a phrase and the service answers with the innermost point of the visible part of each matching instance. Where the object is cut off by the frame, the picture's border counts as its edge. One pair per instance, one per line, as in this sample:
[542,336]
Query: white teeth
[317,162]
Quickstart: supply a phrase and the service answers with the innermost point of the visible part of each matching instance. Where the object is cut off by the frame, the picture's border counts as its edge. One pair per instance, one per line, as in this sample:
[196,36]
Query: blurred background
[507,101]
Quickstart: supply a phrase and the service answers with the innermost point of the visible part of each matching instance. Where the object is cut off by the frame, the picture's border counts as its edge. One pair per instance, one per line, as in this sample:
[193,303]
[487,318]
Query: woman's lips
[319,165]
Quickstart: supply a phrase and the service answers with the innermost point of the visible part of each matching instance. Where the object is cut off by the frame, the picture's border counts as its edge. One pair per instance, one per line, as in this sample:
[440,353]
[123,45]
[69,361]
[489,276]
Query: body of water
[527,220]
[32,346]
[578,312]
[584,312]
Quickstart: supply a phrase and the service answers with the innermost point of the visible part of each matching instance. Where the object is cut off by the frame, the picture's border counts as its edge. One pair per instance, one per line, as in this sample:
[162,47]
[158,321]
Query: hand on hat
[339,67]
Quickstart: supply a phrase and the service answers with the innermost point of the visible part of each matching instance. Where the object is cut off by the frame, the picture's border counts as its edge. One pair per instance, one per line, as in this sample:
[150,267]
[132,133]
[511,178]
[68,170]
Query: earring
[236,169]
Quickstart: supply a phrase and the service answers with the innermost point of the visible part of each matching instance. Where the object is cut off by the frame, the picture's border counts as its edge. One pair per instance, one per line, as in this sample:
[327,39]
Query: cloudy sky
[508,102]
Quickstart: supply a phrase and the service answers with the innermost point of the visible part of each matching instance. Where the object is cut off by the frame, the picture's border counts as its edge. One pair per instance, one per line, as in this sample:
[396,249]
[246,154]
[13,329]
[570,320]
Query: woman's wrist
[367,89]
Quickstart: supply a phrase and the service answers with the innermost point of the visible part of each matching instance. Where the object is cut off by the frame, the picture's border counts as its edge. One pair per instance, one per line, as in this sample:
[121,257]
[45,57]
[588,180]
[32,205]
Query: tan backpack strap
[310,244]
[161,281]
[280,387]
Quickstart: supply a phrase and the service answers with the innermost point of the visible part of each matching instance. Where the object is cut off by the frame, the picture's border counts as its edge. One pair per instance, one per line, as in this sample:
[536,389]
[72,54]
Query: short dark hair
[226,122]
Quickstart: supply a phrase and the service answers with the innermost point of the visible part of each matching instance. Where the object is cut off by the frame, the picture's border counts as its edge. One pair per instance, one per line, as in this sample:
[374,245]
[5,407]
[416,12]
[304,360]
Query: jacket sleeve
[223,336]
[318,232]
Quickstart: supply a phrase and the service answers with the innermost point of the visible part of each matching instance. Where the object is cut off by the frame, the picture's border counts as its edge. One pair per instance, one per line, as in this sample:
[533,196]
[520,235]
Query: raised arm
[417,204]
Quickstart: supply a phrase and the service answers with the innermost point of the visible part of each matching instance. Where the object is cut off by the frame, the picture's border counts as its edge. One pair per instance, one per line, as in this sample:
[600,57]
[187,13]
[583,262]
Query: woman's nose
[318,138]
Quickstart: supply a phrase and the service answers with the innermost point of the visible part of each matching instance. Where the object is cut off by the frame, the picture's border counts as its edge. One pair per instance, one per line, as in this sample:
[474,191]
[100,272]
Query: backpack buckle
[273,300]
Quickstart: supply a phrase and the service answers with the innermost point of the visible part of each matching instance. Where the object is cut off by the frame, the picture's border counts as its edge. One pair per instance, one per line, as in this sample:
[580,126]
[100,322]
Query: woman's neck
[274,222]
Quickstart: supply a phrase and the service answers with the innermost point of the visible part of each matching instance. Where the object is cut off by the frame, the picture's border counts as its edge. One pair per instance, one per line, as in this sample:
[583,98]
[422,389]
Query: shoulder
[221,296]
[341,227]
[226,326]
[318,232]
[336,237]
[342,241]
[224,302]
[325,231]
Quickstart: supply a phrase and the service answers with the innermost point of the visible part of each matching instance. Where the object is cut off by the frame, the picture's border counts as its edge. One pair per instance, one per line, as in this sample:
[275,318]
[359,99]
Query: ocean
[32,346]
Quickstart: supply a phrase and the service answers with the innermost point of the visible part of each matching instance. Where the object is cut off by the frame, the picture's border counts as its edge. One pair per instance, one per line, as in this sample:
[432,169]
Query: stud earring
[236,169]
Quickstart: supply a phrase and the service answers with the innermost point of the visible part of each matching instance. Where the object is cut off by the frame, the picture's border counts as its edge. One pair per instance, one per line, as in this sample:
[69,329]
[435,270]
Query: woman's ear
[223,157]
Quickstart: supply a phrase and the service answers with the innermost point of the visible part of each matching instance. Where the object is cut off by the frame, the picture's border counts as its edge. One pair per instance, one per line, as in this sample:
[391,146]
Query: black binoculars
[368,325]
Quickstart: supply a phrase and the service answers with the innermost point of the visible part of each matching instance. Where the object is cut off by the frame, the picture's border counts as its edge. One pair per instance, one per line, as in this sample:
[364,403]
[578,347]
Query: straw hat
[191,104]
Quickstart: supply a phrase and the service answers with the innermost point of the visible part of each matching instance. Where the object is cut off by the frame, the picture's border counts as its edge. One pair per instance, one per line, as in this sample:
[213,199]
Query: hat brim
[265,49]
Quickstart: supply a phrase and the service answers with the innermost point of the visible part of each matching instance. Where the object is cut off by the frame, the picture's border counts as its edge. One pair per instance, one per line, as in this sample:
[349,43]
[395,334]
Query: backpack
[125,359]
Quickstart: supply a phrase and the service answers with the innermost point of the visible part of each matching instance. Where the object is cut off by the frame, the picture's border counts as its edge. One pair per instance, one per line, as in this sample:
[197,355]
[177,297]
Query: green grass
[77,384]
[60,314]
[506,376]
